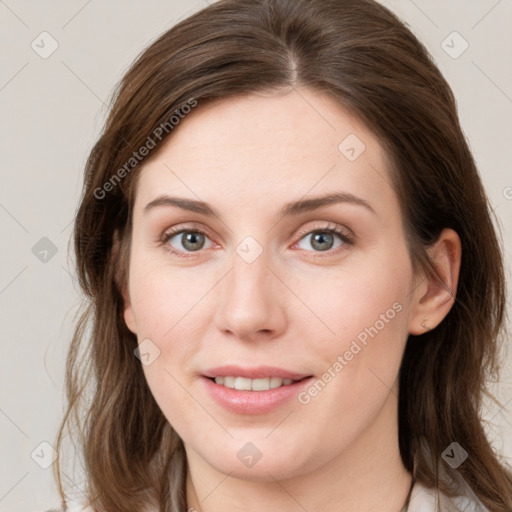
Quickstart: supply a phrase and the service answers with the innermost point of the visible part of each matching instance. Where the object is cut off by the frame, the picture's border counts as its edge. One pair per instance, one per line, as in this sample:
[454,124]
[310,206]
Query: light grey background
[52,110]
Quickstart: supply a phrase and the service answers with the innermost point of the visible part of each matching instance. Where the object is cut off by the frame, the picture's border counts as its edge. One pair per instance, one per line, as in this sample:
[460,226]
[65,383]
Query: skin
[248,157]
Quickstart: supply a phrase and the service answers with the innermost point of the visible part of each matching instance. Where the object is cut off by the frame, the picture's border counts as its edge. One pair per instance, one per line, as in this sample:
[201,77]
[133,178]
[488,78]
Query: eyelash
[346,239]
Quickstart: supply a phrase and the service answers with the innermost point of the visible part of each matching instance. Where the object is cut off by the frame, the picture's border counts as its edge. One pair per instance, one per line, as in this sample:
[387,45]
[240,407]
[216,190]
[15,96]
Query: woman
[233,362]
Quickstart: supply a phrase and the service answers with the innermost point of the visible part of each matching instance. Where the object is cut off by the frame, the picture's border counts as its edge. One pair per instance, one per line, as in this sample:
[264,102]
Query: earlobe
[129,318]
[122,283]
[435,295]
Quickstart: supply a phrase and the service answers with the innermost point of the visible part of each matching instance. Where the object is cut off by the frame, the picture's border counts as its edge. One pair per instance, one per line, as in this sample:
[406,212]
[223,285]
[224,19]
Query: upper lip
[257,372]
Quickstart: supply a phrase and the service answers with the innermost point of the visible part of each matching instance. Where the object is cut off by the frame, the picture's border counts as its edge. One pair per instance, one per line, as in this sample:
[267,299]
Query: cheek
[169,390]
[366,310]
[166,309]
[169,307]
[163,299]
[364,300]
[362,359]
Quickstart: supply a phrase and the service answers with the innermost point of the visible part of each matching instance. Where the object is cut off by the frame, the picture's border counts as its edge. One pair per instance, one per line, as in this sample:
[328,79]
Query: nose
[251,300]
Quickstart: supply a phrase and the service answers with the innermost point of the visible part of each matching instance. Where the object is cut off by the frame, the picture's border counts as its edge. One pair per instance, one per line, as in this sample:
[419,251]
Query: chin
[261,460]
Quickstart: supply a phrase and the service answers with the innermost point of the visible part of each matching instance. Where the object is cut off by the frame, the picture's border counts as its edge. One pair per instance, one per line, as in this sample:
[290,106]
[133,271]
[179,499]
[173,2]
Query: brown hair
[365,58]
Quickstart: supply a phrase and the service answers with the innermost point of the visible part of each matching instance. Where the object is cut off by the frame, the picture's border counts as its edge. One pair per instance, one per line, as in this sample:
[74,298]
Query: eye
[186,240]
[322,239]
[183,242]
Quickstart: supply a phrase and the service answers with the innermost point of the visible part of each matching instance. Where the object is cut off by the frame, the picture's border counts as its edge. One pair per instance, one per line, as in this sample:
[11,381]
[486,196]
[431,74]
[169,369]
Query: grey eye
[321,240]
[190,240]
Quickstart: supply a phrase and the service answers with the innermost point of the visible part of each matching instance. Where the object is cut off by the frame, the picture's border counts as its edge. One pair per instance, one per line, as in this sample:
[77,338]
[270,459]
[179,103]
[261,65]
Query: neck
[368,475]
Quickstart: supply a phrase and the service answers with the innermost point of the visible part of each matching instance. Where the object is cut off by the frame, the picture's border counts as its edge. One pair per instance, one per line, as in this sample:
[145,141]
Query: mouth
[257,390]
[247,384]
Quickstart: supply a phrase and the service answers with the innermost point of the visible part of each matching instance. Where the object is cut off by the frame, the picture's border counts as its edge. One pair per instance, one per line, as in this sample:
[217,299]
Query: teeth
[245,384]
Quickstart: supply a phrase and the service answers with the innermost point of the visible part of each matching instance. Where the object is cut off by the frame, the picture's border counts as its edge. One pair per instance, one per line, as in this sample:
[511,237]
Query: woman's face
[261,288]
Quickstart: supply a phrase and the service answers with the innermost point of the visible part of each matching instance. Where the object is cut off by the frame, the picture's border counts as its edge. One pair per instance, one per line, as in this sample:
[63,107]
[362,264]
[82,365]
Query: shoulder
[424,499]
[72,507]
[81,507]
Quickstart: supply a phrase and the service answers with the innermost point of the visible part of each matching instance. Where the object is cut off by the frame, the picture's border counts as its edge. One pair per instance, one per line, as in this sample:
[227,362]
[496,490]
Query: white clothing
[422,500]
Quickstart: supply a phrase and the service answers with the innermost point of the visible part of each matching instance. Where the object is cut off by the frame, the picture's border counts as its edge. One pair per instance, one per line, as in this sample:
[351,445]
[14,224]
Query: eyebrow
[293,208]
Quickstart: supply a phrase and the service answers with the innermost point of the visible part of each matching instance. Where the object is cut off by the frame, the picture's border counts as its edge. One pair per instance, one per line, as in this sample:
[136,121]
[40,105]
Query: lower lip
[253,402]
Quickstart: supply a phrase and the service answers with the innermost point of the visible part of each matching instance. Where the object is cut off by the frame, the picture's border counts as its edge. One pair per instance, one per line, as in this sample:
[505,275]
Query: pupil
[320,238]
[191,238]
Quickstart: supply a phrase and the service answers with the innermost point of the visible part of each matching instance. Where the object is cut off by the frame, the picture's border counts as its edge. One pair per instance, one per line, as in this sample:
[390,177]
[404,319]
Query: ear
[122,283]
[433,299]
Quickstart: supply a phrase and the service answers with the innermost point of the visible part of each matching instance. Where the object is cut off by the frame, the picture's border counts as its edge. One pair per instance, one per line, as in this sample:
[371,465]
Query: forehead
[251,150]
[275,124]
